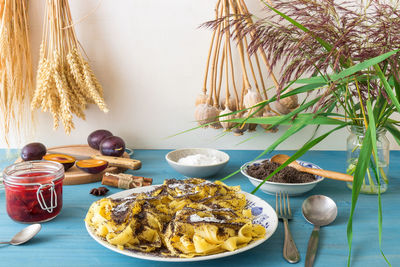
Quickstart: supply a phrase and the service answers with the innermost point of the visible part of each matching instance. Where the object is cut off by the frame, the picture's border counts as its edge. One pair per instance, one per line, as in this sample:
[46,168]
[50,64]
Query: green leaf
[299,90]
[372,128]
[397,86]
[289,116]
[380,107]
[392,81]
[359,174]
[326,45]
[387,87]
[310,119]
[394,131]
[277,119]
[289,132]
[298,154]
[304,89]
[351,70]
[324,78]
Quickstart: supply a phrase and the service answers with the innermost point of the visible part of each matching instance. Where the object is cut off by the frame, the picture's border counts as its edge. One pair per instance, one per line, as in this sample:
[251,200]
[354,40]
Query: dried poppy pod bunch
[287,104]
[65,82]
[211,108]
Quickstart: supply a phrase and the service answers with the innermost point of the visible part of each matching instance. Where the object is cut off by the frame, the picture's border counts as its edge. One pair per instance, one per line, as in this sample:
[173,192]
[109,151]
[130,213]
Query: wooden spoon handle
[329,174]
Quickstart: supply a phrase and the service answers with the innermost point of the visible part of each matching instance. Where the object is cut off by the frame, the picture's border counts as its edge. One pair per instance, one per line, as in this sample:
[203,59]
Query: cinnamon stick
[125,181]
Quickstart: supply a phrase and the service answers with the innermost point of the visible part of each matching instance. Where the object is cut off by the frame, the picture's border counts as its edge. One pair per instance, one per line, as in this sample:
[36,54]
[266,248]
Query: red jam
[34,194]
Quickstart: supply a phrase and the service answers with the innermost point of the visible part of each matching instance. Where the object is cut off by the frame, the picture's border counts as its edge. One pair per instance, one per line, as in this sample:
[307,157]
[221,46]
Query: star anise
[100,191]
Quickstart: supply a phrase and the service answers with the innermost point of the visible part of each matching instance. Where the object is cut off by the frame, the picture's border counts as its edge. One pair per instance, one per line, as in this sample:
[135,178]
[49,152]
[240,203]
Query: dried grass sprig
[65,81]
[358,30]
[16,78]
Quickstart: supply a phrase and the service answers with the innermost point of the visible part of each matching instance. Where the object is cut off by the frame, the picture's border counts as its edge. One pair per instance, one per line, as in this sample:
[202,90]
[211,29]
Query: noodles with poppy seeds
[181,218]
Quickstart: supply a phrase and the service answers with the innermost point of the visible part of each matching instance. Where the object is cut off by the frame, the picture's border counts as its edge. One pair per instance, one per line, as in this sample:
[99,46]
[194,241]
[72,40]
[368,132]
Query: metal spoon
[24,235]
[281,158]
[318,210]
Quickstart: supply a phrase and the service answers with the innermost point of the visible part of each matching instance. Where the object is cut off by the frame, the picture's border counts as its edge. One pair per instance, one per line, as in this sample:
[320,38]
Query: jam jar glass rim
[9,176]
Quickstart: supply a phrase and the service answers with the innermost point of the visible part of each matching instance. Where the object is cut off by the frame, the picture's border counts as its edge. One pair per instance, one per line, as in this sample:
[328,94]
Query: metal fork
[290,252]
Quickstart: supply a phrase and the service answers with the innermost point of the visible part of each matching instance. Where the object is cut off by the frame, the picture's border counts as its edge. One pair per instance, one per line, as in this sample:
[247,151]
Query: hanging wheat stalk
[16,82]
[220,66]
[65,83]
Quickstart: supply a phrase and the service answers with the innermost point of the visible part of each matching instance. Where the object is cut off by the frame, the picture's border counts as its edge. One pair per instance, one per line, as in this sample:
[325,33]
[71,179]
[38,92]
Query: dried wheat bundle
[65,83]
[16,82]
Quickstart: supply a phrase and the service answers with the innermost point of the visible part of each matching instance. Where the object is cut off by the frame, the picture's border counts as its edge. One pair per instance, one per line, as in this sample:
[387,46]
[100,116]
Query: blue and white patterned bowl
[272,187]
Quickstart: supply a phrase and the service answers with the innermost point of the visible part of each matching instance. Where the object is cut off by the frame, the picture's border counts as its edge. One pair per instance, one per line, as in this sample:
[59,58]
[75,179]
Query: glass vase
[354,144]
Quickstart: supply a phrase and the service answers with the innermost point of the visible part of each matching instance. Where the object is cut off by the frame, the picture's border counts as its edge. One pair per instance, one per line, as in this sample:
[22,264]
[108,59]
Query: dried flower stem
[243,10]
[215,65]
[227,42]
[231,65]
[209,52]
[237,11]
[221,74]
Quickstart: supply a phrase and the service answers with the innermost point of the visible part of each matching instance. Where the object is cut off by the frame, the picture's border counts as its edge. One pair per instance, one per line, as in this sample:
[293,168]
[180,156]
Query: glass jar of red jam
[33,190]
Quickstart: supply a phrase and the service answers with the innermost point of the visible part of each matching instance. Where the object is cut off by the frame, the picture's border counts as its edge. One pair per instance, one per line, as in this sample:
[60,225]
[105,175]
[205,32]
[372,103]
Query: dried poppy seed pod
[252,126]
[217,124]
[287,104]
[225,124]
[206,113]
[201,99]
[251,98]
[267,128]
[239,129]
[231,103]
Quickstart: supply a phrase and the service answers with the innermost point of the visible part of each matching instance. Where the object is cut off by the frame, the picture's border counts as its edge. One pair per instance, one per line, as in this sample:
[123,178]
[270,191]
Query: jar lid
[36,172]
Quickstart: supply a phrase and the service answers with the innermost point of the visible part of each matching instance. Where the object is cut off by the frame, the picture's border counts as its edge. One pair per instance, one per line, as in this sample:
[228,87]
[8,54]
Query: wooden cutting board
[76,176]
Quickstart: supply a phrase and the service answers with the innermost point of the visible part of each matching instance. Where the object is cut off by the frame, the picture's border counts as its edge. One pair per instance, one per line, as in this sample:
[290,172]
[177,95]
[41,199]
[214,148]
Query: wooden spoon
[280,158]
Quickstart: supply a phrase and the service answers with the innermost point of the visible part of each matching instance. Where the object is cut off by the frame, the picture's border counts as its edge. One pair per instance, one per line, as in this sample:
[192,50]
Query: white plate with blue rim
[292,189]
[263,214]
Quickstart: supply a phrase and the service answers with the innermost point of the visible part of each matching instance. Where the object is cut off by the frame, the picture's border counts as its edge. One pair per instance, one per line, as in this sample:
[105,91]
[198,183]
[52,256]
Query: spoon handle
[290,252]
[4,242]
[312,247]
[329,174]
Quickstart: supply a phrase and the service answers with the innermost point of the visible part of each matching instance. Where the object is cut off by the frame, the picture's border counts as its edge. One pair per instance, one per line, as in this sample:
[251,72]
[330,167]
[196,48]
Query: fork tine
[284,203]
[288,204]
[280,203]
[276,203]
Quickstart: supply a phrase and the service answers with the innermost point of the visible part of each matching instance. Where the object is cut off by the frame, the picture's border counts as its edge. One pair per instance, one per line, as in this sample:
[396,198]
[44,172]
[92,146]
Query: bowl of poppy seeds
[288,180]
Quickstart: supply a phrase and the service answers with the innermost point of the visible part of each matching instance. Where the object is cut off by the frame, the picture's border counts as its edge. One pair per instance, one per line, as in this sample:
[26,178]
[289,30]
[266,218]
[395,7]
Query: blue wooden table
[65,242]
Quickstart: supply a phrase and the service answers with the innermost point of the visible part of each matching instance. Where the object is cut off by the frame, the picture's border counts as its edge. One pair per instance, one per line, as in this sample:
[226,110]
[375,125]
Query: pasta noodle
[181,218]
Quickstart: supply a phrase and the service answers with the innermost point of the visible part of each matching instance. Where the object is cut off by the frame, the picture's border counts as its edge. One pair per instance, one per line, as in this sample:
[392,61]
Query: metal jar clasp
[53,197]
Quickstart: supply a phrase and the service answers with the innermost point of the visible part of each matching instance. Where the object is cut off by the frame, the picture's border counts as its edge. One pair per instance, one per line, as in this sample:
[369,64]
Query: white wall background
[150,56]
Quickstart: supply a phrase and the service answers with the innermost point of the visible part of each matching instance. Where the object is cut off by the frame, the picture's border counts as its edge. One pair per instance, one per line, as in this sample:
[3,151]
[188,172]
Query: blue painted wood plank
[65,242]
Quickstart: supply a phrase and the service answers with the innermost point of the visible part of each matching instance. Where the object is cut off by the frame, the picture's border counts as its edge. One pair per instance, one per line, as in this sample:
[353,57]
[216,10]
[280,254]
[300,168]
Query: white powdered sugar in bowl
[199,160]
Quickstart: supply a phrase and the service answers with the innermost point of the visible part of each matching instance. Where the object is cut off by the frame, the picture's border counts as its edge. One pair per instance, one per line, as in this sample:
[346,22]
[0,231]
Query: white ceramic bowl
[272,188]
[196,171]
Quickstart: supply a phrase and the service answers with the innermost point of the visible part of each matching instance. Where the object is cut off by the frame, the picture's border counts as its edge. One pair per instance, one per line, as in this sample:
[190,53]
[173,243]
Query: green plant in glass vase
[342,59]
